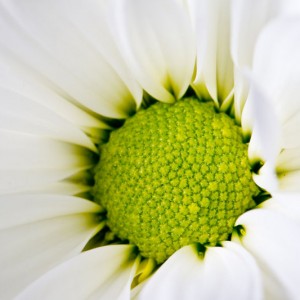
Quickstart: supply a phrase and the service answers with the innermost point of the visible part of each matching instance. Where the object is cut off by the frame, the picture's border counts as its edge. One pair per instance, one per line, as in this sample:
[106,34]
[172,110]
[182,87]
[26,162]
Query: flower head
[149,149]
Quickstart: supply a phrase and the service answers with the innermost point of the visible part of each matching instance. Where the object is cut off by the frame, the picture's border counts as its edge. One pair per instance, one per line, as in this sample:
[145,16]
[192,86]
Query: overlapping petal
[287,204]
[186,275]
[276,66]
[214,72]
[37,232]
[64,68]
[29,161]
[62,49]
[248,18]
[272,238]
[23,115]
[156,40]
[102,273]
[260,121]
[20,81]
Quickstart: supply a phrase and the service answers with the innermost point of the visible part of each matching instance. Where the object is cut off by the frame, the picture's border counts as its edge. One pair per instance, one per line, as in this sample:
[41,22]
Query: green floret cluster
[173,175]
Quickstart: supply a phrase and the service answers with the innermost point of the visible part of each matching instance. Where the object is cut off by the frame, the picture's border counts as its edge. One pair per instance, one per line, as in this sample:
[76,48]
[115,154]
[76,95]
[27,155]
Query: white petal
[248,19]
[285,203]
[260,118]
[40,233]
[214,77]
[157,42]
[24,151]
[289,159]
[31,161]
[19,78]
[267,178]
[135,292]
[56,188]
[52,41]
[24,115]
[32,181]
[291,130]
[278,71]
[102,273]
[273,239]
[22,209]
[289,181]
[281,87]
[186,275]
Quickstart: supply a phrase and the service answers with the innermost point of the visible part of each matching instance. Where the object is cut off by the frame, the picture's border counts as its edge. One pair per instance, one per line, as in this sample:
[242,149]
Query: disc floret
[174,175]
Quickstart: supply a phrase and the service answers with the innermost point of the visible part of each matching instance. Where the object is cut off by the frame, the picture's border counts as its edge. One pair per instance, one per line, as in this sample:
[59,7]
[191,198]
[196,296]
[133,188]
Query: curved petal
[135,292]
[277,68]
[57,188]
[289,159]
[101,273]
[214,75]
[38,234]
[248,19]
[157,42]
[24,151]
[17,78]
[260,118]
[267,178]
[186,275]
[285,203]
[278,71]
[29,161]
[288,170]
[272,238]
[23,115]
[22,209]
[289,181]
[63,49]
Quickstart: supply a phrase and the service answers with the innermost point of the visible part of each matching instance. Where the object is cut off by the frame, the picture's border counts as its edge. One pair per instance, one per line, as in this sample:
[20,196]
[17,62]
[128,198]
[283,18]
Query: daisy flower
[149,149]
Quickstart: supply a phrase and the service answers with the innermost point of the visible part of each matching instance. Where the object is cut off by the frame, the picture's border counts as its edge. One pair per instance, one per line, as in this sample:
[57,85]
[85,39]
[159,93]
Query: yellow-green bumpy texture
[174,175]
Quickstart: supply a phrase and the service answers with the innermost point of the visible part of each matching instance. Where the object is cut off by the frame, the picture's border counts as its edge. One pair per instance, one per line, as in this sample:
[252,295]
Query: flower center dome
[173,175]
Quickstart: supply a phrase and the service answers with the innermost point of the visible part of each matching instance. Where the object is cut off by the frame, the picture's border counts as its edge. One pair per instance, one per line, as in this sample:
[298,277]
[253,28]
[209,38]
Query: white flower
[68,68]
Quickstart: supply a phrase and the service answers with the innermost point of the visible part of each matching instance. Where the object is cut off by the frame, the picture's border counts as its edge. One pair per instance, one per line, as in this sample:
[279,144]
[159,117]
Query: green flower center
[173,175]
